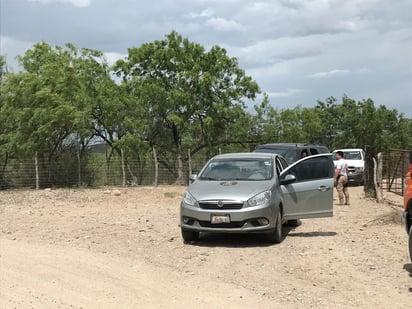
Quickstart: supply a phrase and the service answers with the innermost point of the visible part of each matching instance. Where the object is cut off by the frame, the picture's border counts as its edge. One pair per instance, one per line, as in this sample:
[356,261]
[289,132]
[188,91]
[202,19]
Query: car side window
[312,169]
[279,167]
[314,151]
[283,162]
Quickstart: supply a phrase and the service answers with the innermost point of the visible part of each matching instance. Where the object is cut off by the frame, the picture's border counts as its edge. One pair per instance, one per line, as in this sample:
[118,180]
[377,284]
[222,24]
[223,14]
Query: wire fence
[395,167]
[98,173]
[29,174]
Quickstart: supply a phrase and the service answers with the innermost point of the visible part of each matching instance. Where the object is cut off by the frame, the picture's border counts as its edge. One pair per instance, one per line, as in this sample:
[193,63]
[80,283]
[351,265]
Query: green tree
[311,126]
[3,67]
[266,122]
[189,96]
[48,106]
[354,124]
[3,121]
[330,119]
[297,125]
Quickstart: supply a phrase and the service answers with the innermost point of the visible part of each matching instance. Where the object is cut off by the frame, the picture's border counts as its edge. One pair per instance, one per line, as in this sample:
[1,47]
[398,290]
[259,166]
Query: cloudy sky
[299,51]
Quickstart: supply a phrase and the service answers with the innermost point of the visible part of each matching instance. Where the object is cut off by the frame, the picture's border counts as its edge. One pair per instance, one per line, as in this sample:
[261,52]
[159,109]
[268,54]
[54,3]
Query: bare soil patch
[122,248]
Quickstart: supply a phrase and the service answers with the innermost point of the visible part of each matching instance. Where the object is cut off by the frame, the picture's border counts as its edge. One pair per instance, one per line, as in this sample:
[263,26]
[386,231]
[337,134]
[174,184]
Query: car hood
[355,163]
[227,190]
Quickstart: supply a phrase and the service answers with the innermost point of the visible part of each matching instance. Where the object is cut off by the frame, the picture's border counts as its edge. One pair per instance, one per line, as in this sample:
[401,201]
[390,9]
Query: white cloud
[283,94]
[282,49]
[329,73]
[298,51]
[11,48]
[225,25]
[113,57]
[205,13]
[77,3]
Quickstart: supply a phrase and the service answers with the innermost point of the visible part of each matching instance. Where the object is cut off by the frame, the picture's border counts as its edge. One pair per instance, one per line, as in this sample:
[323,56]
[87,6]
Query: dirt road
[121,248]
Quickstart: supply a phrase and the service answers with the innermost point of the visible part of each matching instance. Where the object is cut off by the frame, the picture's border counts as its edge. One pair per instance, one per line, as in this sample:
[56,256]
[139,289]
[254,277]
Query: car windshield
[350,155]
[251,169]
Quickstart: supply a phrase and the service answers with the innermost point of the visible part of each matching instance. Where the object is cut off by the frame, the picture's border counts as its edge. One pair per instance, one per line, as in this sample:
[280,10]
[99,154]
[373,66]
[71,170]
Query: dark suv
[292,151]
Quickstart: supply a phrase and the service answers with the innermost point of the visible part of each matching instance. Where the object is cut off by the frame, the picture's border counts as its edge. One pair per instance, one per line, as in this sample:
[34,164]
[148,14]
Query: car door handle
[323,188]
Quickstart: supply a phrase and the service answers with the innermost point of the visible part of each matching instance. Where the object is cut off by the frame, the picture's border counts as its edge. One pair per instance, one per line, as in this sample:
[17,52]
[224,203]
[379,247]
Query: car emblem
[220,204]
[228,183]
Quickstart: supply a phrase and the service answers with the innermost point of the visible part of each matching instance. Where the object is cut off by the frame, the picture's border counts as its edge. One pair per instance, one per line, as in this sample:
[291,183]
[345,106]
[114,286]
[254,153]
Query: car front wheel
[276,235]
[410,243]
[190,235]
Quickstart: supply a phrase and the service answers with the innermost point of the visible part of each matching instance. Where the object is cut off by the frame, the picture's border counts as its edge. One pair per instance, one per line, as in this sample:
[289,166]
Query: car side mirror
[192,178]
[288,179]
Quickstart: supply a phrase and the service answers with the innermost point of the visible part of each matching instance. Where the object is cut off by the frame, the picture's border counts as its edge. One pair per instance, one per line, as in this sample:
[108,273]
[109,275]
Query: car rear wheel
[276,235]
[410,243]
[190,235]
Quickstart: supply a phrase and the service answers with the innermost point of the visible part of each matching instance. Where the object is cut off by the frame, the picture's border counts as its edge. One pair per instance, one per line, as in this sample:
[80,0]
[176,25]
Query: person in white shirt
[341,179]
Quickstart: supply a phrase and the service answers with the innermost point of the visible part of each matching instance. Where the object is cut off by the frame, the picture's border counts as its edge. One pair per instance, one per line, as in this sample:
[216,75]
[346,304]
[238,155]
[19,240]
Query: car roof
[288,145]
[245,155]
[349,149]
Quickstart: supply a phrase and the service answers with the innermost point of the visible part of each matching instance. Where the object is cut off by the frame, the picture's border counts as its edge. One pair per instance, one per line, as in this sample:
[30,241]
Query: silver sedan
[256,193]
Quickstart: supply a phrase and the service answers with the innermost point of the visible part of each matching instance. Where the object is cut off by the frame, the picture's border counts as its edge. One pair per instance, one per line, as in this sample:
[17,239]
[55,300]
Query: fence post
[189,160]
[79,169]
[404,169]
[123,169]
[36,166]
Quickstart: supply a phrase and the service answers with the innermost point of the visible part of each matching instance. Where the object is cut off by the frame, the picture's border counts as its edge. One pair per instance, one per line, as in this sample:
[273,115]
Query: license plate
[216,219]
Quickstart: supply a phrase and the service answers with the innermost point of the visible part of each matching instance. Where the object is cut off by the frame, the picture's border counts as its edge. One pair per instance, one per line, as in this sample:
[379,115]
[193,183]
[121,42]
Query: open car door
[307,187]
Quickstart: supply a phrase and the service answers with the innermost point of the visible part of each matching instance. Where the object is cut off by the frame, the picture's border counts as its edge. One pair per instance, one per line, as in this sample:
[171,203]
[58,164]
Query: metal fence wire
[98,173]
[395,166]
[26,174]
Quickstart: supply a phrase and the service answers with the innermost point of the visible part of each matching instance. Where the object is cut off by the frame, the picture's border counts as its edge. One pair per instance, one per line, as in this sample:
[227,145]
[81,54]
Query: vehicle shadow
[249,239]
[312,234]
[231,240]
[408,268]
[353,184]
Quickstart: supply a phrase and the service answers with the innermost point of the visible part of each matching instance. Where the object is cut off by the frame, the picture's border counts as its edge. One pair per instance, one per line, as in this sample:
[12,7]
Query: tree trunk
[369,185]
[189,160]
[179,162]
[156,167]
[377,177]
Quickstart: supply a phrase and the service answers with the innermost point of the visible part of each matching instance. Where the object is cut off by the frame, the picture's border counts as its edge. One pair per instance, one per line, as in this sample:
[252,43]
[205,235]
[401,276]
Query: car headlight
[260,198]
[359,169]
[189,200]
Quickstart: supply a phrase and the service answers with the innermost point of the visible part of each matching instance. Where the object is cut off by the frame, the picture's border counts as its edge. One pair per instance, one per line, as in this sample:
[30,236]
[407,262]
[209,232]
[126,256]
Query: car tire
[294,222]
[190,235]
[410,243]
[276,235]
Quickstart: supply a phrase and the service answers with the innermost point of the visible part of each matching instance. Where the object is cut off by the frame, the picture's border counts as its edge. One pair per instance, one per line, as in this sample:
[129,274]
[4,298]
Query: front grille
[223,206]
[222,225]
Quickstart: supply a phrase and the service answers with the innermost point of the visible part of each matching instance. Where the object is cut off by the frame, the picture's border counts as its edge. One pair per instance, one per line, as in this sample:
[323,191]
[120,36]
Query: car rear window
[290,154]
